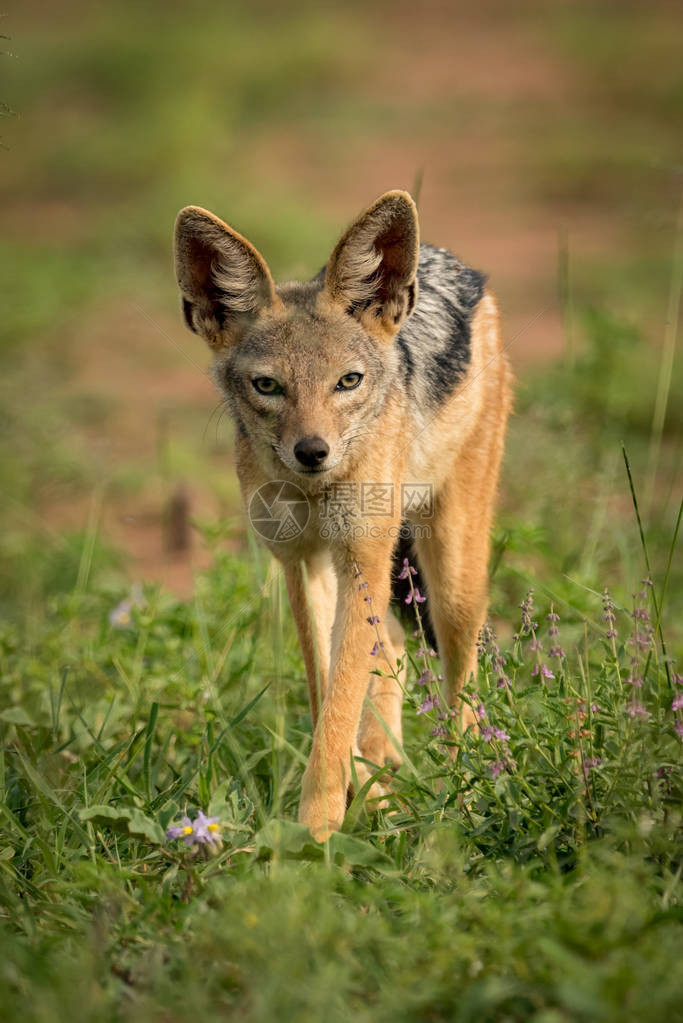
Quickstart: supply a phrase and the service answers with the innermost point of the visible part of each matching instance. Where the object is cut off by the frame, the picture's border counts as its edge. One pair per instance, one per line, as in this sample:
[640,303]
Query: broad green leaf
[140,824]
[289,839]
[17,716]
[105,813]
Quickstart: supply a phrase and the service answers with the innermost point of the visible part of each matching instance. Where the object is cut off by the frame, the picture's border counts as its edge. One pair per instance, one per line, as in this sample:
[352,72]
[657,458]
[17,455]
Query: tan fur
[310,336]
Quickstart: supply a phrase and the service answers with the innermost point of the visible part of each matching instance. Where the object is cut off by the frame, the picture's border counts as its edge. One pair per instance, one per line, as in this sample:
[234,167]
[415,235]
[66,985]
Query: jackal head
[305,368]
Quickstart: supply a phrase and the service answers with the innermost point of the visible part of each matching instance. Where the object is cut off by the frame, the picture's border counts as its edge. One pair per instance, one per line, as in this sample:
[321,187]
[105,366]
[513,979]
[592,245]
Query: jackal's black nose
[311,451]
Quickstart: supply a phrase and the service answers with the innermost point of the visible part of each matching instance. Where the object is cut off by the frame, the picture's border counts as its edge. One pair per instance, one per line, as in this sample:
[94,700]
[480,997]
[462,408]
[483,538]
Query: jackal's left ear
[224,282]
[372,271]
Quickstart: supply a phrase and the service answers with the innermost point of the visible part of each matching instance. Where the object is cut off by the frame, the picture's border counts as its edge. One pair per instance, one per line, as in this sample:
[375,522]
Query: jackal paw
[321,812]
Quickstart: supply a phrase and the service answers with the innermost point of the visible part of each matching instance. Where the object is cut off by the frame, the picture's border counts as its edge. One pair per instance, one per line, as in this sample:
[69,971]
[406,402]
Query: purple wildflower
[489,733]
[588,763]
[552,616]
[485,640]
[543,670]
[429,703]
[486,644]
[678,702]
[407,570]
[182,830]
[120,617]
[497,767]
[207,829]
[202,831]
[379,645]
[554,631]
[425,678]
[527,609]
[609,616]
[636,709]
[643,633]
[372,620]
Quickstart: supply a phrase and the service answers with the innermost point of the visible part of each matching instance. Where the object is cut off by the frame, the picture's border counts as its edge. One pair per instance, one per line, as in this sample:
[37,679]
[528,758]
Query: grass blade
[147,756]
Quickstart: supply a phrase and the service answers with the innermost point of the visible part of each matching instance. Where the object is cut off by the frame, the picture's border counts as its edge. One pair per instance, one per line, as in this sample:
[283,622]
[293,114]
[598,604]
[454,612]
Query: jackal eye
[266,385]
[349,381]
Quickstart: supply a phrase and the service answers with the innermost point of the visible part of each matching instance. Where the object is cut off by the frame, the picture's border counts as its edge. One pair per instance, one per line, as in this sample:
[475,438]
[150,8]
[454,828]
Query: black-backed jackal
[368,402]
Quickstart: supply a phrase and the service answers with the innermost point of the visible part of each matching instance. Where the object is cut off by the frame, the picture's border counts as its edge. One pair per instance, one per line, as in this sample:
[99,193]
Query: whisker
[359,434]
[208,421]
[220,419]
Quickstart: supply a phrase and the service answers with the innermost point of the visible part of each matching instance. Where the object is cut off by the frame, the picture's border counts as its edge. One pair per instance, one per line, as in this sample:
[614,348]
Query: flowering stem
[647,563]
[373,619]
[434,695]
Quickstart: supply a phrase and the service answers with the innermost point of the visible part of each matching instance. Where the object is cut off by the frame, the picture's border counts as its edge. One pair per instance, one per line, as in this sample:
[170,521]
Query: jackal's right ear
[224,282]
[372,271]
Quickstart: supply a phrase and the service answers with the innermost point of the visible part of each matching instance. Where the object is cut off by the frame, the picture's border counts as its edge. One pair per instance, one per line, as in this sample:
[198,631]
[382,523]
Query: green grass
[548,890]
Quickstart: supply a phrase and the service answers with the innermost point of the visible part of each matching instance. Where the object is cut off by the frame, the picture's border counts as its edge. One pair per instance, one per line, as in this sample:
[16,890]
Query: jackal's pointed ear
[224,282]
[372,271]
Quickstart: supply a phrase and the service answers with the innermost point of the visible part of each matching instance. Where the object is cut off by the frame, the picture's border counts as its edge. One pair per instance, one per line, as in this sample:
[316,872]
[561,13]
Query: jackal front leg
[312,590]
[327,776]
